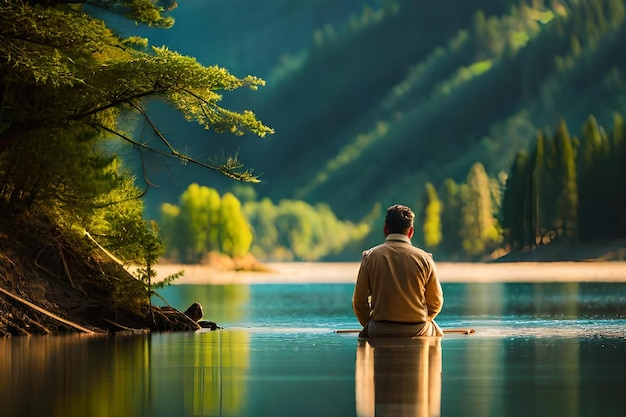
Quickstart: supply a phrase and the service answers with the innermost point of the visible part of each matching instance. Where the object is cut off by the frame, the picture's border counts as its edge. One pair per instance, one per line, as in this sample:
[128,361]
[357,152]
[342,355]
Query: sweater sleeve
[434,293]
[360,298]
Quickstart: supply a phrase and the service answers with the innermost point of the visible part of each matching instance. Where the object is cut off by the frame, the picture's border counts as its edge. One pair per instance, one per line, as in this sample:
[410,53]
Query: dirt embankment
[51,285]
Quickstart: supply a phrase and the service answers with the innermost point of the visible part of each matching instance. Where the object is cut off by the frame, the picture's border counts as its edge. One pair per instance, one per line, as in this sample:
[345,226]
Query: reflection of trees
[74,375]
[137,375]
[399,377]
[204,375]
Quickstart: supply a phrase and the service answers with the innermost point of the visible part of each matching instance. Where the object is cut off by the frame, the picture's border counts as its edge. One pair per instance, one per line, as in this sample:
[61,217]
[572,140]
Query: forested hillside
[383,99]
[363,131]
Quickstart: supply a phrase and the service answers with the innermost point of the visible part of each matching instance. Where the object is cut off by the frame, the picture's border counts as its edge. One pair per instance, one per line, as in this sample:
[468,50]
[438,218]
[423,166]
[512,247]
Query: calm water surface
[538,350]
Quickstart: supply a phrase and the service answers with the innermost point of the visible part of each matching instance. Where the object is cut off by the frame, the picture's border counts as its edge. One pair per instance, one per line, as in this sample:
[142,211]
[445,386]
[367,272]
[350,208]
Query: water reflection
[563,300]
[523,377]
[198,374]
[398,378]
[540,349]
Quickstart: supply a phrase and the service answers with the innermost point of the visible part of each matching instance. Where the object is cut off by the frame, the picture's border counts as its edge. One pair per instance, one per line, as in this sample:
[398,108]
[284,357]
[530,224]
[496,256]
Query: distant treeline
[567,188]
[571,188]
[204,222]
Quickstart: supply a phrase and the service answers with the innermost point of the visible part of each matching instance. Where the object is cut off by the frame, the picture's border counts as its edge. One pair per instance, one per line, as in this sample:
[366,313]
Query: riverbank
[449,272]
[54,283]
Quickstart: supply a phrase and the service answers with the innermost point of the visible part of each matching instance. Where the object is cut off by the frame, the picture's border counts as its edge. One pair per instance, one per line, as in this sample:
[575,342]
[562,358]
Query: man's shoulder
[385,246]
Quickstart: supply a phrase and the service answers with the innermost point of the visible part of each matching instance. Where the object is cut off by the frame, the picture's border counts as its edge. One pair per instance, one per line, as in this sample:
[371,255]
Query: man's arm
[360,298]
[434,294]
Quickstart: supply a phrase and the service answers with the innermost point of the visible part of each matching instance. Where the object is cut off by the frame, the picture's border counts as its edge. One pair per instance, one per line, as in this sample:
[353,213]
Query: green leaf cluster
[291,230]
[294,230]
[202,223]
[76,103]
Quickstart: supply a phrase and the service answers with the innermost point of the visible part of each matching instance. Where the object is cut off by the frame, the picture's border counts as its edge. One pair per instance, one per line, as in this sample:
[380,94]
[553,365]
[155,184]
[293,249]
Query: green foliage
[517,204]
[456,88]
[261,215]
[566,183]
[65,70]
[480,231]
[204,222]
[235,232]
[292,230]
[432,218]
[295,230]
[451,218]
[192,229]
[463,223]
[72,92]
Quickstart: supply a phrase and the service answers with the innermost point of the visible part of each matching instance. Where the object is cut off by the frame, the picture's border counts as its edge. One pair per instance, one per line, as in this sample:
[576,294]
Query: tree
[432,217]
[261,216]
[64,68]
[235,232]
[566,191]
[70,87]
[480,230]
[517,207]
[540,198]
[199,222]
[619,172]
[594,181]
[194,227]
[451,217]
[295,230]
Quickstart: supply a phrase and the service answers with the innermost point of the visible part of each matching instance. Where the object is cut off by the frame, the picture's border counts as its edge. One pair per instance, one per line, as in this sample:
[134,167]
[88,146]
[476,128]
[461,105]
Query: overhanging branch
[224,169]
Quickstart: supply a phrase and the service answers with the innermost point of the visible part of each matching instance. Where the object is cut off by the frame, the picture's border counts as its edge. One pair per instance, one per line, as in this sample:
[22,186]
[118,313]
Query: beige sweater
[397,282]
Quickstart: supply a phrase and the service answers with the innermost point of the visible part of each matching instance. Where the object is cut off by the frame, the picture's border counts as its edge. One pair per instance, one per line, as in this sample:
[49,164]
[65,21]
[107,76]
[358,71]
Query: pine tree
[451,218]
[566,188]
[594,182]
[619,173]
[66,71]
[516,206]
[480,229]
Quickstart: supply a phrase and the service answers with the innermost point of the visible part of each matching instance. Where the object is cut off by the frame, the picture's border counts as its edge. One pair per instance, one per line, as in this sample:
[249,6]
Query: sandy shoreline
[345,272]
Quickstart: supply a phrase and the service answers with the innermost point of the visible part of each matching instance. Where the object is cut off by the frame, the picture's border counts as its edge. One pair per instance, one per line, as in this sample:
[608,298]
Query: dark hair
[399,218]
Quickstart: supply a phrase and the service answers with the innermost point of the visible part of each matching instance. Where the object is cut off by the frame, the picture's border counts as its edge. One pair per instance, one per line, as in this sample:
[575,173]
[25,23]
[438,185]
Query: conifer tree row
[567,188]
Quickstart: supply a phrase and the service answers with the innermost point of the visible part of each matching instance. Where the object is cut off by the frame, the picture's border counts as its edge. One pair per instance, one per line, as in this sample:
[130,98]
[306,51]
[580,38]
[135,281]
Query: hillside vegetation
[383,100]
[412,93]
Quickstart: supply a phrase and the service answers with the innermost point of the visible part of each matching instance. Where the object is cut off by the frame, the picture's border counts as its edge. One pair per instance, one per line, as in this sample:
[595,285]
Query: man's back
[397,275]
[397,291]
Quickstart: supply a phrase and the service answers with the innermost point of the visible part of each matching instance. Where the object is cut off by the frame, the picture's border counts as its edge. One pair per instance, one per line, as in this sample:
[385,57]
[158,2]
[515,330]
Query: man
[397,292]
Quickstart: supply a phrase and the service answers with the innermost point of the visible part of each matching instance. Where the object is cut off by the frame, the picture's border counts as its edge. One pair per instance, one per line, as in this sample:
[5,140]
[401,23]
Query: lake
[540,349]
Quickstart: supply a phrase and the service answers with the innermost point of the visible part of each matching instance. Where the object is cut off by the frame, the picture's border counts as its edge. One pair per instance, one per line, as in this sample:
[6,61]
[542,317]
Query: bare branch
[225,169]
